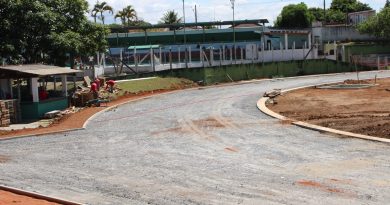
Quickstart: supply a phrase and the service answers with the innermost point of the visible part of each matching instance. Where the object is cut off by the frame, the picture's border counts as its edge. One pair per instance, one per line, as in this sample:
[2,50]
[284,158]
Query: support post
[10,87]
[378,62]
[160,55]
[190,55]
[179,56]
[170,58]
[34,89]
[286,41]
[309,40]
[242,54]
[64,85]
[55,83]
[136,59]
[74,83]
[212,56]
[220,57]
[231,55]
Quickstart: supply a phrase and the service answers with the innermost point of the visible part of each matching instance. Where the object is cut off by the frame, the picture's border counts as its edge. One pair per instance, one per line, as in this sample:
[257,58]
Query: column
[10,88]
[179,52]
[64,86]
[34,89]
[286,41]
[190,54]
[309,40]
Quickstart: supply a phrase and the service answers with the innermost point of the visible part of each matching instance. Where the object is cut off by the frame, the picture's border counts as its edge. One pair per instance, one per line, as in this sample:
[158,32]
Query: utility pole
[196,14]
[185,37]
[324,11]
[234,31]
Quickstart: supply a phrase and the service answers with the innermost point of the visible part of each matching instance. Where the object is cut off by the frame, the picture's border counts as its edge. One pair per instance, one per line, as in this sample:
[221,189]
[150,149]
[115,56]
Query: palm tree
[130,13]
[170,17]
[101,8]
[122,16]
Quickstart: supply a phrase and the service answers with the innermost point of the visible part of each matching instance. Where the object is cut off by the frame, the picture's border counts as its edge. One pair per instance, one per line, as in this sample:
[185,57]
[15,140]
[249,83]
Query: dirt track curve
[204,146]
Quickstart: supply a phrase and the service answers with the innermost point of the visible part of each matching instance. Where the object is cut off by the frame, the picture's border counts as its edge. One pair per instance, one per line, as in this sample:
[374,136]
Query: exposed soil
[77,120]
[9,198]
[363,111]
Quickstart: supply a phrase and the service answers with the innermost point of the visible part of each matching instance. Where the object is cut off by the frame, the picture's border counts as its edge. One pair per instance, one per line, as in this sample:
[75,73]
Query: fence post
[170,58]
[190,55]
[179,52]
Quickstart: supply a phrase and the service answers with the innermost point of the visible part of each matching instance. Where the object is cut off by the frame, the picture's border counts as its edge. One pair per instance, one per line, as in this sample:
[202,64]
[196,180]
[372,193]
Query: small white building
[356,18]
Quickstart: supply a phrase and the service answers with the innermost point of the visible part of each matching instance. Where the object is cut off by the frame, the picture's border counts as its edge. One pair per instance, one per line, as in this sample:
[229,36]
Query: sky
[218,10]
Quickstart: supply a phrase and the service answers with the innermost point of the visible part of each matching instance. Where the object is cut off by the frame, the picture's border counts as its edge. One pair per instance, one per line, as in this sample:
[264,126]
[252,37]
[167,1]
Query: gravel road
[204,146]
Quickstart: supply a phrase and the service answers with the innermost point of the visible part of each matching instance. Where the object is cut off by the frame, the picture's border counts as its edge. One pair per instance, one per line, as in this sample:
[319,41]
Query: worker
[97,81]
[110,84]
[94,90]
[42,93]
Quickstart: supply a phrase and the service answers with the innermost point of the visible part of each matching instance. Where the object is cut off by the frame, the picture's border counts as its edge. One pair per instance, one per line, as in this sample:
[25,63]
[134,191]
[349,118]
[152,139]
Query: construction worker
[94,90]
[110,84]
[97,81]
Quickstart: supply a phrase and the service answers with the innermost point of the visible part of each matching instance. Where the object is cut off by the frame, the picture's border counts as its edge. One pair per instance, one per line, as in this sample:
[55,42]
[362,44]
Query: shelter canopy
[36,70]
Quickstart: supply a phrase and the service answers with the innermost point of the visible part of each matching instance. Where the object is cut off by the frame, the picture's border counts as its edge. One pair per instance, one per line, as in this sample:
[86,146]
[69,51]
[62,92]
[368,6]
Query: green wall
[215,75]
[35,110]
[366,49]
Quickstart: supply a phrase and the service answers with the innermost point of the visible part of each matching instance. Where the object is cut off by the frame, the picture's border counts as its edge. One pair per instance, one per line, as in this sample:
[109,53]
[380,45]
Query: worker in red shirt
[110,84]
[97,81]
[94,90]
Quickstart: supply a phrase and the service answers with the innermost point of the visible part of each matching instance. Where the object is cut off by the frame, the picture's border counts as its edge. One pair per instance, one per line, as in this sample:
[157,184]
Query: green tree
[387,3]
[335,16]
[122,16]
[317,13]
[130,13]
[44,31]
[348,6]
[378,25]
[101,8]
[170,17]
[294,16]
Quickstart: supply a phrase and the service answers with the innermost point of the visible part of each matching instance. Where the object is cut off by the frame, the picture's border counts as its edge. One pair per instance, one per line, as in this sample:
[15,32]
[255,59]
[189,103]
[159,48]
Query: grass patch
[153,84]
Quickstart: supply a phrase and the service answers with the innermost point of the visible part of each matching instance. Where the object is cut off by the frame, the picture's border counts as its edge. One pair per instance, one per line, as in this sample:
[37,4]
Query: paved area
[205,146]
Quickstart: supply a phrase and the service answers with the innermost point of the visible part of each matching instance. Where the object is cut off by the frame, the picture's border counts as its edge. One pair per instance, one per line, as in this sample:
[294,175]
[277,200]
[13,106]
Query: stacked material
[9,112]
[80,98]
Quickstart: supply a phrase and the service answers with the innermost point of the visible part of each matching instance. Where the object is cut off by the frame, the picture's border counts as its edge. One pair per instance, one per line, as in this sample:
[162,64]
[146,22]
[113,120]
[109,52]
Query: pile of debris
[272,95]
[58,114]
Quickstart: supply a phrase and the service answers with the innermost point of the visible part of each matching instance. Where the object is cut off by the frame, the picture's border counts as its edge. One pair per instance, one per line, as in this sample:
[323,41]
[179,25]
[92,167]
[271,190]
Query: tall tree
[101,8]
[387,3]
[50,29]
[170,17]
[378,25]
[122,16]
[130,13]
[294,16]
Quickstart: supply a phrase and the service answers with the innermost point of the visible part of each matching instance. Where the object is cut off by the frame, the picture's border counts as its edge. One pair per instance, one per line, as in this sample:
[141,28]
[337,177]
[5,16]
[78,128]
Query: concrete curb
[40,134]
[263,108]
[38,196]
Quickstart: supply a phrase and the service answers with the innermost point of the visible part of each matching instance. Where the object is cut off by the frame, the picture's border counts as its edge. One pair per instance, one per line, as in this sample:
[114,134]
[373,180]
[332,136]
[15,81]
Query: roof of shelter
[36,70]
[180,25]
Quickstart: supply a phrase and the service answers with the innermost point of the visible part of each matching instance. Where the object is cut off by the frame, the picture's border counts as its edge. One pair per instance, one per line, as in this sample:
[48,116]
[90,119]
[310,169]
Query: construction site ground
[209,145]
[362,111]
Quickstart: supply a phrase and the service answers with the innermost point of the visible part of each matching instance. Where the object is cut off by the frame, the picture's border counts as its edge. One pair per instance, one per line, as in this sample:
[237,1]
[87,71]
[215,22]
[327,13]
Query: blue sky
[209,10]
